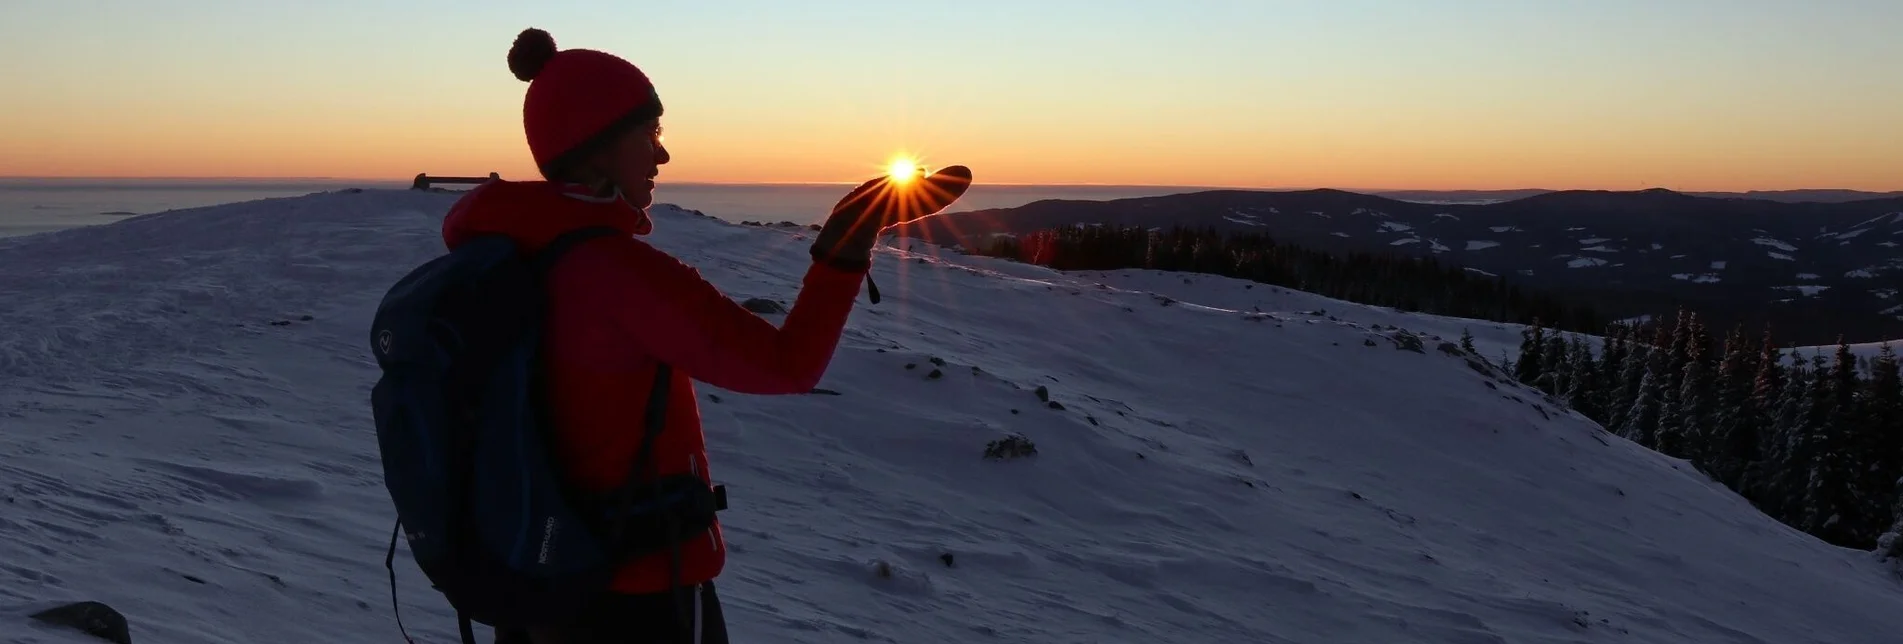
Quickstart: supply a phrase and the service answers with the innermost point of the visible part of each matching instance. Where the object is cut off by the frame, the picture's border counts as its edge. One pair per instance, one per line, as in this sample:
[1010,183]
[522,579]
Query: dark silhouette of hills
[1812,269]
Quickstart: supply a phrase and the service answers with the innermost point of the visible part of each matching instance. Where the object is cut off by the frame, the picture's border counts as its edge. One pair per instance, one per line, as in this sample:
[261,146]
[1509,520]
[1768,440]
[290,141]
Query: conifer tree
[1785,468]
[1883,423]
[1582,386]
[1554,364]
[1733,439]
[1625,396]
[1834,510]
[1532,348]
[1690,429]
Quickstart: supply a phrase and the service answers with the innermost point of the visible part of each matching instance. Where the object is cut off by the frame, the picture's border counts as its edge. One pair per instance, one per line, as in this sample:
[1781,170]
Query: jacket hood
[534,213]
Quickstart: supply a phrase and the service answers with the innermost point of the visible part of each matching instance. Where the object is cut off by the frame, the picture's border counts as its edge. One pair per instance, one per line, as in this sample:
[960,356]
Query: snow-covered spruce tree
[1554,365]
[1834,507]
[1733,438]
[1690,430]
[1527,368]
[1467,342]
[1767,389]
[1671,423]
[1653,393]
[1618,391]
[1784,468]
[1625,395]
[1583,391]
[1642,419]
[1883,424]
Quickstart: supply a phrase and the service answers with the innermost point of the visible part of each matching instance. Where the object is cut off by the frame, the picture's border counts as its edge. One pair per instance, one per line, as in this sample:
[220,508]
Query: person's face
[634,160]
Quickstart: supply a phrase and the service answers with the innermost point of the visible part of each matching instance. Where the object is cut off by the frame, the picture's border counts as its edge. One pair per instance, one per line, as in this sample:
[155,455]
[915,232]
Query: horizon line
[663,184]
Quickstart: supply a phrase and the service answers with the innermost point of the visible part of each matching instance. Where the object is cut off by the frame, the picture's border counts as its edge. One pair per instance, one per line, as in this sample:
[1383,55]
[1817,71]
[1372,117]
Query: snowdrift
[187,439]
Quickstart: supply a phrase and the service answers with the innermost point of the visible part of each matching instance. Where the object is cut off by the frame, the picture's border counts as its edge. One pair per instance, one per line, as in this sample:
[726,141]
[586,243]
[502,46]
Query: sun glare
[902,169]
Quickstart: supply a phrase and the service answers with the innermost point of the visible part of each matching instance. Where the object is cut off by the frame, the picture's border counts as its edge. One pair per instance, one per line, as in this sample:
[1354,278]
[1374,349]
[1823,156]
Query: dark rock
[1043,393]
[935,374]
[1449,348]
[1056,405]
[91,618]
[1405,341]
[1013,446]
[763,306]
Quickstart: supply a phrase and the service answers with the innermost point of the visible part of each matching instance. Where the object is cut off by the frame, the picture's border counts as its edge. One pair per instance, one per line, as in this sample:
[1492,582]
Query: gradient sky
[1613,94]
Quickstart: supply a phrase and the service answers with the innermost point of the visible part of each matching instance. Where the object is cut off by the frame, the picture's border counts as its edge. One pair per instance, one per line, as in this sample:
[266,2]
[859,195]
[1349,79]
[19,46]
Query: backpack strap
[545,259]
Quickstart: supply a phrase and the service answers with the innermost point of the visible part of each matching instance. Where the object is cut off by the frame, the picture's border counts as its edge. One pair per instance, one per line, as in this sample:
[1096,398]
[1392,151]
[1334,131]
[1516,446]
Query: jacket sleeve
[674,314]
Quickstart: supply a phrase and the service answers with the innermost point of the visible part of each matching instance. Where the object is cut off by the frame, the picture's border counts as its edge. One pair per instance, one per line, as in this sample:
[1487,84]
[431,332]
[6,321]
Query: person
[620,308]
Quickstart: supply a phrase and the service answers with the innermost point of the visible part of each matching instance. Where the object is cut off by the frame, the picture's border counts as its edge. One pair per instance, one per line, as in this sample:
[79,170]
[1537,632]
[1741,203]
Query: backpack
[467,453]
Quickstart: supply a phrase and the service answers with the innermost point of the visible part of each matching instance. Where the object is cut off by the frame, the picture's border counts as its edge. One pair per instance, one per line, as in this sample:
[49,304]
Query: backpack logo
[384,339]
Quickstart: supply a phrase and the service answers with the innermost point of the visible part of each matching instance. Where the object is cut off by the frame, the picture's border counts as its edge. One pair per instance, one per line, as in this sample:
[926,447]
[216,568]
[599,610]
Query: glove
[845,240]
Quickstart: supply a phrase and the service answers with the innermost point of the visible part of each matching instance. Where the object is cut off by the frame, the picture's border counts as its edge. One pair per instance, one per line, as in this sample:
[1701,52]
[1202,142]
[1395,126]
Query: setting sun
[902,169]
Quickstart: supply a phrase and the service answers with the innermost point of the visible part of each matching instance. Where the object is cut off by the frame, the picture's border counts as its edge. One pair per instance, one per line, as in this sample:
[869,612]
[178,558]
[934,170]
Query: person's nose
[661,157]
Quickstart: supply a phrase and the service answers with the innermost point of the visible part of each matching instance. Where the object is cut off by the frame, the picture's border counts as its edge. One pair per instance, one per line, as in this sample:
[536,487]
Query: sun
[902,169]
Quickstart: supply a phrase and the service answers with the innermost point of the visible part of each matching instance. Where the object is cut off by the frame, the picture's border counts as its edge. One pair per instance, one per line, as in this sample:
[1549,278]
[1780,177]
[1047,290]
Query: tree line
[1815,442]
[1407,283]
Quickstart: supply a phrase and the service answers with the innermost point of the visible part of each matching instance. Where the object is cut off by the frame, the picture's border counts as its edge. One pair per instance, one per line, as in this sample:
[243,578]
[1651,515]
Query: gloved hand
[845,240]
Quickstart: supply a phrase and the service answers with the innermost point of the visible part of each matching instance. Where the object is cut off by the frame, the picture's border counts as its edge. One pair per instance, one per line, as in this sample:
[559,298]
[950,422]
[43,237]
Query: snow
[1861,272]
[1782,256]
[1707,278]
[1807,276]
[1505,229]
[1853,234]
[1339,234]
[1395,227]
[1244,220]
[1657,246]
[1436,246]
[1809,290]
[1600,249]
[1404,242]
[185,445]
[1477,271]
[1594,240]
[1481,244]
[1718,265]
[1767,241]
[1585,262]
[1446,215]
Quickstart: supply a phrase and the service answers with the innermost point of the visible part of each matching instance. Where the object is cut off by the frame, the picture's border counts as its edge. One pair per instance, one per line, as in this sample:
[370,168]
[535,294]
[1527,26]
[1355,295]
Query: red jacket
[619,305]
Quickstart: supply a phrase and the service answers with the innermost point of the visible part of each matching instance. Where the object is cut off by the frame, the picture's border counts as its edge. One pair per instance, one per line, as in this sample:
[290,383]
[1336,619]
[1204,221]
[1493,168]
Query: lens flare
[902,169]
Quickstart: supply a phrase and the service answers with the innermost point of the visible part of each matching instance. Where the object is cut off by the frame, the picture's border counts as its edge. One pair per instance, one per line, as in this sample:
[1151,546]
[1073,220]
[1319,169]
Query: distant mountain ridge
[1821,195]
[1812,269]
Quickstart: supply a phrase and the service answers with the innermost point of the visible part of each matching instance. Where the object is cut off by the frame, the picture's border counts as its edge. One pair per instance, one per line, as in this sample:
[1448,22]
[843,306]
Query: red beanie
[575,95]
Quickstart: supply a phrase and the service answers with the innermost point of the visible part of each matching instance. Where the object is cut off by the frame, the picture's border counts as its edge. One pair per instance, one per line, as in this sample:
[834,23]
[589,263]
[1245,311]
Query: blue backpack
[466,448]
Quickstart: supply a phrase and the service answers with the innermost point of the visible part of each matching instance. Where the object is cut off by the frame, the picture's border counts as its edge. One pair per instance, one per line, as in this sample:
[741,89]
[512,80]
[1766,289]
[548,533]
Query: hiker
[620,309]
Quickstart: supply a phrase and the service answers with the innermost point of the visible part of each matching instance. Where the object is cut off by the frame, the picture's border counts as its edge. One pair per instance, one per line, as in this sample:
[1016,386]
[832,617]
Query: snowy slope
[183,444]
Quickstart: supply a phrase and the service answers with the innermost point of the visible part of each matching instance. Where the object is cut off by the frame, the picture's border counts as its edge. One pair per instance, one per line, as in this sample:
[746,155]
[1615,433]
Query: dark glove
[845,240]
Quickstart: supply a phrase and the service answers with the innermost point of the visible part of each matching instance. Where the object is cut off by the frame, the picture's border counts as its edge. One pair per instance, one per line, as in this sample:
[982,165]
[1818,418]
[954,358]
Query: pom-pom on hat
[578,99]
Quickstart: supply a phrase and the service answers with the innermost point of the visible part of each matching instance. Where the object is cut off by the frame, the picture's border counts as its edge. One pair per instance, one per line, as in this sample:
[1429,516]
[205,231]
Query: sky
[1352,94]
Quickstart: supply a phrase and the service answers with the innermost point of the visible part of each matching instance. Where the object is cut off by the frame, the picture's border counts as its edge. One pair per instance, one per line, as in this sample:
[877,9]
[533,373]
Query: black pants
[660,618]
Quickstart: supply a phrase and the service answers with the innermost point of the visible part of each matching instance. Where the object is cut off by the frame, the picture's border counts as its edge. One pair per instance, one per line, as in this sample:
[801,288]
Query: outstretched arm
[680,318]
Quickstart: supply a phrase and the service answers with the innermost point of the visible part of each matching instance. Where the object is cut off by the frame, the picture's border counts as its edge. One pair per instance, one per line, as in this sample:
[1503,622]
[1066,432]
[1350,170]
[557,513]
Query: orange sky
[1676,99]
